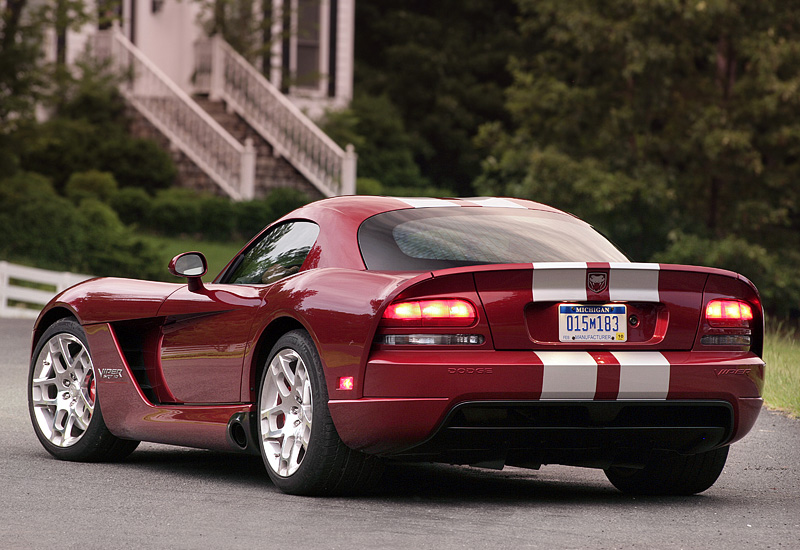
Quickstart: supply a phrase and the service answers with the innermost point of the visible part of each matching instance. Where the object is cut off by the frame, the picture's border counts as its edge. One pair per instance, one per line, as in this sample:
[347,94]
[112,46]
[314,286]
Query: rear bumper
[578,407]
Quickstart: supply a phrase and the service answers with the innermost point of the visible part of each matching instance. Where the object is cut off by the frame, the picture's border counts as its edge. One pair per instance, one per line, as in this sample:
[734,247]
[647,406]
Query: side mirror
[191,265]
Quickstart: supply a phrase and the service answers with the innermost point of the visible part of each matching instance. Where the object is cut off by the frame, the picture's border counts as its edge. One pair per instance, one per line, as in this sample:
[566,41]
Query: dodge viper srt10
[484,331]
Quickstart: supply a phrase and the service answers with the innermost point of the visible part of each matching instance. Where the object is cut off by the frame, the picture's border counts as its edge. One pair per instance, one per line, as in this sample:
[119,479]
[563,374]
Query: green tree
[20,80]
[443,66]
[644,116]
[385,149]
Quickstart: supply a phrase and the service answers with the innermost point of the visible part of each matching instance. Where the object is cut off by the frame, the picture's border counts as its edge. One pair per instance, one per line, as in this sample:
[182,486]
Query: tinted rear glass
[424,239]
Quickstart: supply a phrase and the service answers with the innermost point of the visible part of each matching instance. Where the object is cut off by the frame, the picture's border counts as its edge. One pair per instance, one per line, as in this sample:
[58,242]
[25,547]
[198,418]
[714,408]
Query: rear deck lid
[591,305]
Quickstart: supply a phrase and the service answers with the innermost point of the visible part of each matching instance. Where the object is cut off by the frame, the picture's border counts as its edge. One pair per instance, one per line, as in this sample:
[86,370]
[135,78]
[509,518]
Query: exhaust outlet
[241,434]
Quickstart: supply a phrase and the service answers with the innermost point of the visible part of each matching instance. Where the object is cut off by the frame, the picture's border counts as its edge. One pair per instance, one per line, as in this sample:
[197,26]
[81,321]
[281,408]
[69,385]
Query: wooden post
[3,287]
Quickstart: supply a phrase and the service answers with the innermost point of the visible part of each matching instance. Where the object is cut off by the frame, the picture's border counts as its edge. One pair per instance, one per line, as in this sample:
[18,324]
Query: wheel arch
[266,340]
[49,318]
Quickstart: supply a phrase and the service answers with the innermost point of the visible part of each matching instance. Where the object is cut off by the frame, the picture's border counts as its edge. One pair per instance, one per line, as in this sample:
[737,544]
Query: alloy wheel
[285,412]
[63,390]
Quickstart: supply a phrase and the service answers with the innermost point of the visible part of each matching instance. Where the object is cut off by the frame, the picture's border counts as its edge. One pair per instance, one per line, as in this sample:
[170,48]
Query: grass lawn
[782,355]
[217,254]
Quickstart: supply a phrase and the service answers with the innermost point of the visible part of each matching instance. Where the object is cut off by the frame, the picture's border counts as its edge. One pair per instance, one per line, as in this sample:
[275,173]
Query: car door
[207,334]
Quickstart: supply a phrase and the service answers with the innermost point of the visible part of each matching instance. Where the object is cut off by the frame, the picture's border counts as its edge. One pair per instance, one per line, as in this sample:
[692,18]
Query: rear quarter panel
[338,307]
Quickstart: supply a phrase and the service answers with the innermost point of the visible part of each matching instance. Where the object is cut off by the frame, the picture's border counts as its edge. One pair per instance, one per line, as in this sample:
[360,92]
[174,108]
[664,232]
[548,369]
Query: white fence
[13,281]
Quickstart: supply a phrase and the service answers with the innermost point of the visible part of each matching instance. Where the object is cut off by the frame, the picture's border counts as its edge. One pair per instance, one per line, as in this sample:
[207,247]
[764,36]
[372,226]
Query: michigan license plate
[601,323]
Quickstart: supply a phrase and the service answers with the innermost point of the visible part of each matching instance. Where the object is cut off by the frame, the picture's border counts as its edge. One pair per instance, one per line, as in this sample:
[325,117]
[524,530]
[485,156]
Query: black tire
[321,464]
[62,400]
[671,475]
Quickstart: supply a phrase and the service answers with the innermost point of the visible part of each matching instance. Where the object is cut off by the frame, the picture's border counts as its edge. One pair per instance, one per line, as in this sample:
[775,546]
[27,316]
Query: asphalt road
[171,497]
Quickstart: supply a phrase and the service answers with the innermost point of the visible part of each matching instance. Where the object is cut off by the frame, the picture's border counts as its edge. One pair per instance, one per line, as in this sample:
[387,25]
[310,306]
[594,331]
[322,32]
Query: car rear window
[423,239]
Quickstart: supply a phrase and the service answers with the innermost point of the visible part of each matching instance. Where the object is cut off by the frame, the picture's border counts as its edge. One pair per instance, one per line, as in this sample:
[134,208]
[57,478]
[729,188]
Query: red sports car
[484,331]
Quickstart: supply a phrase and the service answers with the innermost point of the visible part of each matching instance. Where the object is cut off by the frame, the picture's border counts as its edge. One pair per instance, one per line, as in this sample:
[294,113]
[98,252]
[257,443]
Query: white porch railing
[291,133]
[12,289]
[226,161]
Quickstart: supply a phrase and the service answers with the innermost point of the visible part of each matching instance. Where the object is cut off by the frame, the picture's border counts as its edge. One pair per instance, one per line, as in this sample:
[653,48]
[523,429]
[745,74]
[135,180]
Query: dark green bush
[43,228]
[132,204]
[95,99]
[251,217]
[110,247]
[137,162]
[91,184]
[89,132]
[175,211]
[385,148]
[59,148]
[37,224]
[217,215]
[283,200]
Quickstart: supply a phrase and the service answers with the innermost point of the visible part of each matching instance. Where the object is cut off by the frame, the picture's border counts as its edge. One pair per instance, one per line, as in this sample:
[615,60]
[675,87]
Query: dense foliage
[41,227]
[89,130]
[428,74]
[672,126]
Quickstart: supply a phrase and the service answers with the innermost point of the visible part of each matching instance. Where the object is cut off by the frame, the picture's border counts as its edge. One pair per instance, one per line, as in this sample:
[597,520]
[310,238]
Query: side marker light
[346,383]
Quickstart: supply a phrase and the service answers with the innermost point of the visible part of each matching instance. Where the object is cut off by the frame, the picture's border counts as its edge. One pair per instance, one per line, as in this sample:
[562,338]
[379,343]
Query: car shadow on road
[443,482]
[212,466]
[403,482]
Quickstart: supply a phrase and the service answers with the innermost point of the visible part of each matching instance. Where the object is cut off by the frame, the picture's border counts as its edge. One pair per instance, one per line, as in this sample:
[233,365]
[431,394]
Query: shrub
[137,163]
[60,147]
[109,247]
[132,204]
[386,150]
[217,217]
[175,211]
[37,224]
[283,200]
[43,228]
[91,184]
[251,217]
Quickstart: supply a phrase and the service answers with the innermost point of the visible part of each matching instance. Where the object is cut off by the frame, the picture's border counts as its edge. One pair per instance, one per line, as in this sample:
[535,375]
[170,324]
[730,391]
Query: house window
[308,44]
[308,60]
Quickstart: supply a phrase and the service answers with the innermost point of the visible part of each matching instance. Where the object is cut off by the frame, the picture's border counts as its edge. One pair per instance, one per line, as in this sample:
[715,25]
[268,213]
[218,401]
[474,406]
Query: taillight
[729,313]
[730,323]
[430,313]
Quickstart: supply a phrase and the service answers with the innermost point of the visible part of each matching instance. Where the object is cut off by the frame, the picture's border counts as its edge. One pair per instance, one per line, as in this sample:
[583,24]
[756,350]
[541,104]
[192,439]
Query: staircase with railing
[231,78]
[227,162]
[230,164]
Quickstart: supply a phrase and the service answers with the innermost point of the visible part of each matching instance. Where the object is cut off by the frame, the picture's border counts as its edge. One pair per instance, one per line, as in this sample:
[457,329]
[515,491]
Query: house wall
[166,36]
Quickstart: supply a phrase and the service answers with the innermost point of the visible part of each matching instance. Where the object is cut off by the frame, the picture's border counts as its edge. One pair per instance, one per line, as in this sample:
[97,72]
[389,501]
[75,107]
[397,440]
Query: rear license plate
[583,323]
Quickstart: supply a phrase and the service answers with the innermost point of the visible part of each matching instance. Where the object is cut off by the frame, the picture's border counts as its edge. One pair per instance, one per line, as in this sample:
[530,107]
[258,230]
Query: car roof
[340,217]
[361,207]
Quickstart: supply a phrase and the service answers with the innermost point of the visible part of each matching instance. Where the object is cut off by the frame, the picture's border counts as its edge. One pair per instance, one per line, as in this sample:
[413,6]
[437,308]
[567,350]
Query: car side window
[278,254]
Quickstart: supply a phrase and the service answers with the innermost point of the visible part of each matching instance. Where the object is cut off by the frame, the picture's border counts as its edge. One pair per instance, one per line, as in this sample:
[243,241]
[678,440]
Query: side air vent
[131,339]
